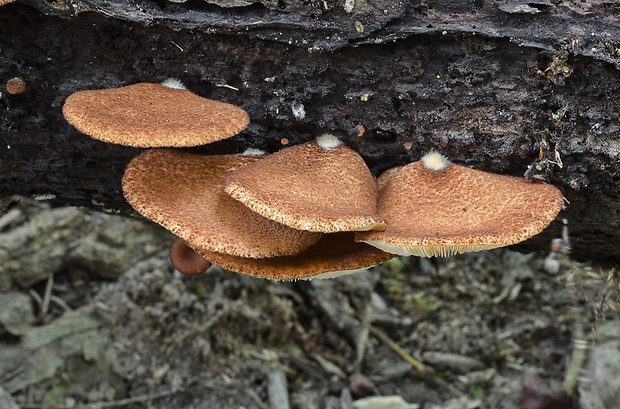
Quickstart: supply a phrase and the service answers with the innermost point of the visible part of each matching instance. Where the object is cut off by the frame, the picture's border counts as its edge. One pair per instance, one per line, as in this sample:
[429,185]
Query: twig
[580,348]
[417,365]
[251,393]
[277,388]
[227,86]
[329,366]
[427,373]
[61,303]
[48,293]
[178,46]
[98,405]
[362,342]
[192,388]
[36,297]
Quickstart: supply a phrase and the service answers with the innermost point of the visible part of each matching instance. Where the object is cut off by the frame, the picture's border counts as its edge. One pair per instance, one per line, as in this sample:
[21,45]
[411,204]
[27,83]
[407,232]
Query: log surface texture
[500,86]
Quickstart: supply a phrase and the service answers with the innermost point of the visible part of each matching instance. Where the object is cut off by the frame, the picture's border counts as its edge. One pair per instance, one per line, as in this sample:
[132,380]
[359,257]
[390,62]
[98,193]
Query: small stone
[6,401]
[383,402]
[360,386]
[16,314]
[456,362]
[537,395]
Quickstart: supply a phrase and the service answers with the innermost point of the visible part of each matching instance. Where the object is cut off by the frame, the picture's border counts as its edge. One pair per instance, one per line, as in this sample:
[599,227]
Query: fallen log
[507,87]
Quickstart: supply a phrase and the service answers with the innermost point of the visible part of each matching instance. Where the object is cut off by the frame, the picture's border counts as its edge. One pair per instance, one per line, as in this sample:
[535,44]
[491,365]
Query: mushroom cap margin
[335,254]
[181,192]
[310,188]
[459,210]
[150,115]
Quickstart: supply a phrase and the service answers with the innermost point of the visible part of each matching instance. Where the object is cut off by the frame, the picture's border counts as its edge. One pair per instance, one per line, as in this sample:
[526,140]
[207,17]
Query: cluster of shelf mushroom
[308,211]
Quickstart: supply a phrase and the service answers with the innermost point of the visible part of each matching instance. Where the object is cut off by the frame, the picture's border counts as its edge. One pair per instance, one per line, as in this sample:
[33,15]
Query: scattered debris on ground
[94,314]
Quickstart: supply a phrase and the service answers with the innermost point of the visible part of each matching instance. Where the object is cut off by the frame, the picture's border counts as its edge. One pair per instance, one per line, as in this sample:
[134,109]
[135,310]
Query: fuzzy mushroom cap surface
[387,175]
[458,209]
[309,187]
[149,115]
[181,191]
[15,86]
[186,260]
[334,255]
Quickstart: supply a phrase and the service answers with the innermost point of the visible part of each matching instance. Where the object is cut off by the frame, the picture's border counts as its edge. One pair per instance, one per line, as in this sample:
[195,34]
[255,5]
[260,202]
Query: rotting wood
[494,88]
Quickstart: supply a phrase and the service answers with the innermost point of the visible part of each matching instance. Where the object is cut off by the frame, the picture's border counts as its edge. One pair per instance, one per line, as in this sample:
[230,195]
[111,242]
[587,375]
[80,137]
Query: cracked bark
[497,86]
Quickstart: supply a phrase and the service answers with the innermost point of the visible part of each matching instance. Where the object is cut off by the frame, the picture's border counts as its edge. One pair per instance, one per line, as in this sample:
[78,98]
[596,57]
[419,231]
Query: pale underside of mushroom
[410,246]
[310,187]
[150,115]
[458,209]
[334,255]
[181,191]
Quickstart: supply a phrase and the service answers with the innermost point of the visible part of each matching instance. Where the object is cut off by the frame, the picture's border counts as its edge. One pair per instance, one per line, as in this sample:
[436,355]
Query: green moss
[406,298]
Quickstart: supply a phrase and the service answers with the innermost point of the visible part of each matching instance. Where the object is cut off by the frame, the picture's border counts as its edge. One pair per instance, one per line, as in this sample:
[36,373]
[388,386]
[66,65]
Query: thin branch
[99,405]
[426,373]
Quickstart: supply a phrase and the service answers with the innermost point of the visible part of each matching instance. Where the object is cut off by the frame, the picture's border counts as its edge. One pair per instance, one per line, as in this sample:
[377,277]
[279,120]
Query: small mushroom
[436,208]
[186,260]
[318,186]
[149,115]
[181,191]
[334,255]
[15,86]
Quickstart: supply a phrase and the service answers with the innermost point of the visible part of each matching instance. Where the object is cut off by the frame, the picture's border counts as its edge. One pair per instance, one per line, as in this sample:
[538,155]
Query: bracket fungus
[181,191]
[308,211]
[186,260]
[436,208]
[150,115]
[320,186]
[335,254]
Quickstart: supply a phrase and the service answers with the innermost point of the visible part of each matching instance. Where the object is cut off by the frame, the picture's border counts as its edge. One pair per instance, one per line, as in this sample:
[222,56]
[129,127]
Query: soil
[458,332]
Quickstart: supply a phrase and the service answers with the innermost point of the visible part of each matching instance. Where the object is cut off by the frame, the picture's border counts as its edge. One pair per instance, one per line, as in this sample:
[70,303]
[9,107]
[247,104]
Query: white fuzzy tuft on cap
[173,83]
[435,161]
[252,152]
[328,141]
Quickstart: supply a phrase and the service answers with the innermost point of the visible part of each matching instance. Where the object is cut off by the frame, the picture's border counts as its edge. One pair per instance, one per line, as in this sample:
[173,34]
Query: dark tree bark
[499,86]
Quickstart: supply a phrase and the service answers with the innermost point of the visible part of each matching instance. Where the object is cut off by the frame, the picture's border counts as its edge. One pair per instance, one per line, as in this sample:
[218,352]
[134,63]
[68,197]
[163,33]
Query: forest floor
[457,332]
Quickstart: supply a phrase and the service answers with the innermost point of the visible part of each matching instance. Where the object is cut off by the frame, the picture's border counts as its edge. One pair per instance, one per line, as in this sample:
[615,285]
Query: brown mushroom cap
[186,260]
[457,209]
[15,86]
[181,191]
[335,254]
[309,187]
[151,115]
[387,175]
